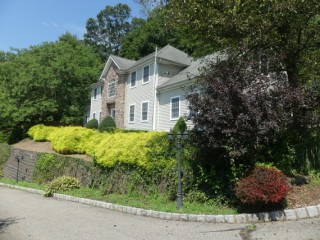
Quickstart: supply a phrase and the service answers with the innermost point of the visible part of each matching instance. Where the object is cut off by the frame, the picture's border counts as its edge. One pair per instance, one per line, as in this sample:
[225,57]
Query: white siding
[164,122]
[95,106]
[138,94]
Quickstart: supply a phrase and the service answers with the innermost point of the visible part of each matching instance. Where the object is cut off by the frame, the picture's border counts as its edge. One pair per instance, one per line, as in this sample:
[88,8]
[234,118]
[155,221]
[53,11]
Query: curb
[285,215]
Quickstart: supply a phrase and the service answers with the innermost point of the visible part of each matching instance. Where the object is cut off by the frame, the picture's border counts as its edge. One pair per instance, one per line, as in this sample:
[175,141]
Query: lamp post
[180,136]
[18,161]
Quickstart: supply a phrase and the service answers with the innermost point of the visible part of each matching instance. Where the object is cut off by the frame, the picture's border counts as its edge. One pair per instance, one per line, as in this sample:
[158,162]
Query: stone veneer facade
[118,101]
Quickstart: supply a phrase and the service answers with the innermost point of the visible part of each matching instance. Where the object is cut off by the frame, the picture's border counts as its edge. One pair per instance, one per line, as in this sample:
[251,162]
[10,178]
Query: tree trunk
[292,71]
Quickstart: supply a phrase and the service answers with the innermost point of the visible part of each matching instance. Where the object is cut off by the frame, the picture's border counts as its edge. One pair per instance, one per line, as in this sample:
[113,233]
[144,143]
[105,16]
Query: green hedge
[143,149]
[4,155]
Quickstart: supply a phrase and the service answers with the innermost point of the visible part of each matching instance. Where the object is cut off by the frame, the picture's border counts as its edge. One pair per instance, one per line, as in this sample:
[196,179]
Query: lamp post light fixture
[180,137]
[18,162]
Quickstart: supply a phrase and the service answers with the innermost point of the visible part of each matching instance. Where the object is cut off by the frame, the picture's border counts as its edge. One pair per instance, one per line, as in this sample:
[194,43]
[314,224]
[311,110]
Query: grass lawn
[157,203]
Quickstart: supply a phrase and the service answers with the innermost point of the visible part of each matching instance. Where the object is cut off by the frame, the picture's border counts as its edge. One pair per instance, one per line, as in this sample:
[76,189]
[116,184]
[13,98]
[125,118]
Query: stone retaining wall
[26,164]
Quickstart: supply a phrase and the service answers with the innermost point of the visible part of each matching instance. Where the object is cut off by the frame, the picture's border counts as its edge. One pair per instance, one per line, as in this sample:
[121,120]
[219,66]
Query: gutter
[155,85]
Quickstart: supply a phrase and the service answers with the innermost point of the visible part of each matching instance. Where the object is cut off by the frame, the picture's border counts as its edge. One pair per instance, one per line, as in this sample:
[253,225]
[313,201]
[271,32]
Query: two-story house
[147,94]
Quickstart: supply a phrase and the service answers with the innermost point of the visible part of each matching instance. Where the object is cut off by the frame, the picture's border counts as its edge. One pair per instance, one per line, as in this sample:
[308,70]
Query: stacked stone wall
[118,100]
[27,161]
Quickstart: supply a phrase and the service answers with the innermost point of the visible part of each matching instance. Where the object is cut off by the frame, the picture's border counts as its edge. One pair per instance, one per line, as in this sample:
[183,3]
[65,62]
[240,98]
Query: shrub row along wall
[142,149]
[4,156]
[51,166]
[123,161]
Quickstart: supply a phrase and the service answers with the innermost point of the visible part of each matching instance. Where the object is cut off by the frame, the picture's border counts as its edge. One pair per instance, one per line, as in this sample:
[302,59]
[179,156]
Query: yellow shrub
[67,140]
[40,132]
[144,149]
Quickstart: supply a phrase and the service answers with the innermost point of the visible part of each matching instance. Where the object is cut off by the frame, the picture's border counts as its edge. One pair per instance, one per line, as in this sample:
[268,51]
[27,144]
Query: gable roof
[192,71]
[121,63]
[166,54]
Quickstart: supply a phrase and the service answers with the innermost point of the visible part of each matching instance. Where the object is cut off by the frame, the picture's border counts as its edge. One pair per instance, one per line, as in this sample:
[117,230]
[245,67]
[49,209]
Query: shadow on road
[4,223]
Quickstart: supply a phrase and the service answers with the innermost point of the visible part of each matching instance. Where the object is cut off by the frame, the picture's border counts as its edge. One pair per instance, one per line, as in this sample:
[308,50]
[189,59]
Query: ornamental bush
[63,183]
[143,149]
[107,125]
[180,126]
[92,124]
[266,185]
[40,133]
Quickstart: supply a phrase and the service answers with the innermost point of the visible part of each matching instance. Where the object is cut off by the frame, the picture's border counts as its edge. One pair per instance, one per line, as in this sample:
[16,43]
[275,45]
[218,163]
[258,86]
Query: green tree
[290,29]
[48,83]
[148,6]
[105,34]
[146,35]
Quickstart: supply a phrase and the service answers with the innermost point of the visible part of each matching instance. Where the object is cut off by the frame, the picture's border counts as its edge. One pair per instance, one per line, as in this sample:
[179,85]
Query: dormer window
[133,79]
[146,74]
[111,88]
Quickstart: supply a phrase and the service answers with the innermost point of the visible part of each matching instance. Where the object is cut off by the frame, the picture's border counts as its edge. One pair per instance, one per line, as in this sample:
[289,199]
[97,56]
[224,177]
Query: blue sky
[30,22]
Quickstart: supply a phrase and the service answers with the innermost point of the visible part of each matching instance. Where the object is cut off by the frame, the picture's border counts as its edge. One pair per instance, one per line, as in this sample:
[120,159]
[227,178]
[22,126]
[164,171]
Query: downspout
[155,84]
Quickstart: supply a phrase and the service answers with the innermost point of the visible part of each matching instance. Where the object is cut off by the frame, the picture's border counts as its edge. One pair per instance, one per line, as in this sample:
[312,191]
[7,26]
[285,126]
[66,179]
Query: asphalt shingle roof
[122,63]
[192,71]
[168,53]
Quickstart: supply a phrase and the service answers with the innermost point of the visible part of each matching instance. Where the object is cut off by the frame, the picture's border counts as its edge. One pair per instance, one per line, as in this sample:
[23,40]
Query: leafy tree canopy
[148,6]
[48,83]
[239,109]
[146,35]
[289,28]
[106,33]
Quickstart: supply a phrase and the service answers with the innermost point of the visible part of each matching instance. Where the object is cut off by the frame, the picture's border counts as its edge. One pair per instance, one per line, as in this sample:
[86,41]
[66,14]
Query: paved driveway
[30,216]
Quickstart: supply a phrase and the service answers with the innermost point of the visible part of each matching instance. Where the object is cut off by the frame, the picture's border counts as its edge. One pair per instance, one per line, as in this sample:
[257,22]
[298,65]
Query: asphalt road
[30,216]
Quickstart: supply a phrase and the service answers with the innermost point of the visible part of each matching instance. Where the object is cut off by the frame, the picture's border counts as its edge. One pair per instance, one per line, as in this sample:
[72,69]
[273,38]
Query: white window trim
[171,118]
[101,90]
[114,88]
[143,75]
[131,79]
[94,115]
[147,111]
[134,113]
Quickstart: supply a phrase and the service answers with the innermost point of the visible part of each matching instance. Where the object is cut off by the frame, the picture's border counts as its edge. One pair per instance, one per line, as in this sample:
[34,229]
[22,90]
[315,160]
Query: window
[133,79]
[131,113]
[101,90]
[175,107]
[144,111]
[100,117]
[113,113]
[95,93]
[145,74]
[111,88]
[93,115]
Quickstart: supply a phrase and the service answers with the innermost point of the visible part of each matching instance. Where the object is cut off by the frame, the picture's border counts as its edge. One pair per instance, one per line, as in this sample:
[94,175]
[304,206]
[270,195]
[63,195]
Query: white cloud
[67,27]
[54,25]
[45,24]
[51,24]
[75,29]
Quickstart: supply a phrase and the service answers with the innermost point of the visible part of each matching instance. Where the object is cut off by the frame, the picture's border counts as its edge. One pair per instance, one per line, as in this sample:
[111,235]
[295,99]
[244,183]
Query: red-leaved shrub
[263,186]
